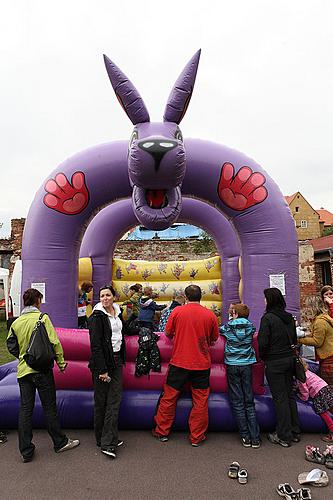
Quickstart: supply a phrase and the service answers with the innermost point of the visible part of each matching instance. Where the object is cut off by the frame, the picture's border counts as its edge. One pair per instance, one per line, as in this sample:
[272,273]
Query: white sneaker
[71,443]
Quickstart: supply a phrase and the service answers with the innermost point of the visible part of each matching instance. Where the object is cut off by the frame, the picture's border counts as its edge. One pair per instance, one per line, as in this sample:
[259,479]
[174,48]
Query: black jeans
[279,374]
[107,398]
[242,400]
[44,383]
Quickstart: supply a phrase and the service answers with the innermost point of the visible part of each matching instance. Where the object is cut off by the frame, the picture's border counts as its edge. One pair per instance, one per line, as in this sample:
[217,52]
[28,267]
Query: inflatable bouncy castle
[156,178]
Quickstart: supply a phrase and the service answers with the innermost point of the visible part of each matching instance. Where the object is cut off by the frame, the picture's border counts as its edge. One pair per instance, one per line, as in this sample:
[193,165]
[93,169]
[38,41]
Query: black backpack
[40,355]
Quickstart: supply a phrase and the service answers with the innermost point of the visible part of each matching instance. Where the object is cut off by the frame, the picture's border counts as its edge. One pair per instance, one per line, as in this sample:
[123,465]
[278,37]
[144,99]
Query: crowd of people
[194,329]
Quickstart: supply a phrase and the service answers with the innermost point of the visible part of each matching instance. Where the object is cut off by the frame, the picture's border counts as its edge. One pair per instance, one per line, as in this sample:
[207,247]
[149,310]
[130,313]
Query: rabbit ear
[182,91]
[128,96]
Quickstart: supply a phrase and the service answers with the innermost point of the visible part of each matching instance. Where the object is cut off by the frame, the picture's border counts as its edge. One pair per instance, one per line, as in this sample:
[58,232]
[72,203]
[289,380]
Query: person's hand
[328,300]
[63,368]
[103,377]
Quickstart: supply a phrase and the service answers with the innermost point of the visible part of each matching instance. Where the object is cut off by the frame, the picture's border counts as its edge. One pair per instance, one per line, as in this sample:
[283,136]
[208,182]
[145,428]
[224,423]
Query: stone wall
[165,250]
[307,280]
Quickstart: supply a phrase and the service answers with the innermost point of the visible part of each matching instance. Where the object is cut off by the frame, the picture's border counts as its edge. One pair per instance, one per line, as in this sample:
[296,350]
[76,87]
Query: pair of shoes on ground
[111,451]
[288,492]
[313,454]
[71,443]
[236,472]
[274,438]
[247,443]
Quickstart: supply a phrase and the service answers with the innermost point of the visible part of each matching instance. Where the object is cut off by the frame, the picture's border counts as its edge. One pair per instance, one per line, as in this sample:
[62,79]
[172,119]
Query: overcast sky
[264,85]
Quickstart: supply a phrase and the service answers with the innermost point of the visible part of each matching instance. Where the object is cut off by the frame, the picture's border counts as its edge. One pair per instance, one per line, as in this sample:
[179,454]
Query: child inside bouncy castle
[148,307]
[321,393]
[82,303]
[239,356]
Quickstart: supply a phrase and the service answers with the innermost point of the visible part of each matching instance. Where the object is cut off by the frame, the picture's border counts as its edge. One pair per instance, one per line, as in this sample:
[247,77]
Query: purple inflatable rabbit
[156,152]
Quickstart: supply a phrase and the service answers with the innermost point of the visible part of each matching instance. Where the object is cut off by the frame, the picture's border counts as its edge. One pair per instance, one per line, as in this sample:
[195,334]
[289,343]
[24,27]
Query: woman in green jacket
[29,380]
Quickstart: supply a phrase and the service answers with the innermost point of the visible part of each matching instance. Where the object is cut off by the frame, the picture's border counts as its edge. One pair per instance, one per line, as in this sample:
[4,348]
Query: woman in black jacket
[106,363]
[276,334]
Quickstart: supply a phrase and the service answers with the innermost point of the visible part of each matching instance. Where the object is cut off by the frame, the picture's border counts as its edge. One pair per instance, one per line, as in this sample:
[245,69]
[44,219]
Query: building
[326,218]
[323,257]
[307,220]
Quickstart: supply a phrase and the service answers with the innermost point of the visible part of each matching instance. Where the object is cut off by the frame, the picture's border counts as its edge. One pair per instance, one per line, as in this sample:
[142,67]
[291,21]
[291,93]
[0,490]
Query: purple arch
[51,238]
[115,219]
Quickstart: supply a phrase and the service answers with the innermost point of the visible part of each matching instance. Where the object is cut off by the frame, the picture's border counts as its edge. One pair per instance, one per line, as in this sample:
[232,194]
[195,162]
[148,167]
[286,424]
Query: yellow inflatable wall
[166,278]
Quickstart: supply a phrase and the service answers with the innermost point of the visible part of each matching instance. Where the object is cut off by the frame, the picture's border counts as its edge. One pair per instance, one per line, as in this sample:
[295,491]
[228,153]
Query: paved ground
[150,470]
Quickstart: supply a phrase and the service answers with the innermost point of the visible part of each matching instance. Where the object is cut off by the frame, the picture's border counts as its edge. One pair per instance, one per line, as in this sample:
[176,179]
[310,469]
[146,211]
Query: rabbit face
[156,167]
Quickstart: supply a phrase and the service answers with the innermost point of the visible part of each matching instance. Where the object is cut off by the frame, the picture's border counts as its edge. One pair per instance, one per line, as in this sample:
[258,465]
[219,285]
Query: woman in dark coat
[106,363]
[276,334]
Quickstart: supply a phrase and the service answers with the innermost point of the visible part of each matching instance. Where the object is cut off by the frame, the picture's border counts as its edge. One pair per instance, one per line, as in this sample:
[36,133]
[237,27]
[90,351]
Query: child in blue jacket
[239,356]
[148,307]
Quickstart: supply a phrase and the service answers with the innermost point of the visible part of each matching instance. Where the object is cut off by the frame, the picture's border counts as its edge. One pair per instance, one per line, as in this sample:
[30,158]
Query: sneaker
[160,437]
[313,454]
[328,438]
[246,442]
[110,451]
[120,443]
[199,443]
[25,460]
[71,443]
[296,437]
[256,444]
[273,438]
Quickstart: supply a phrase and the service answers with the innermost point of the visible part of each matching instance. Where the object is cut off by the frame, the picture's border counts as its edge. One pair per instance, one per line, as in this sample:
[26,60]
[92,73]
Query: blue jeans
[242,400]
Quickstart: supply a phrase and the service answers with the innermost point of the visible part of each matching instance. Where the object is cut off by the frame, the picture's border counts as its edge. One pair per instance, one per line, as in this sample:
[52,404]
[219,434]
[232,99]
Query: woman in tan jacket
[321,336]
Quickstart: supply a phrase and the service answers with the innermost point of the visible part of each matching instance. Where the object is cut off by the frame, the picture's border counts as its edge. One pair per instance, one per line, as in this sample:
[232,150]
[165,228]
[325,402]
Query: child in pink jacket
[322,396]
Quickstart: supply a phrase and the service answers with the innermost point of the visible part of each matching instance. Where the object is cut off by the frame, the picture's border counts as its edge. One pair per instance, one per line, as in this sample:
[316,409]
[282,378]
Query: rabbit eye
[178,135]
[134,137]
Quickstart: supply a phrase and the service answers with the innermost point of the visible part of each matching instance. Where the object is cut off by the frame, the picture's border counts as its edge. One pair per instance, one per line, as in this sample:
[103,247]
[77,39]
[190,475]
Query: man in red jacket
[194,329]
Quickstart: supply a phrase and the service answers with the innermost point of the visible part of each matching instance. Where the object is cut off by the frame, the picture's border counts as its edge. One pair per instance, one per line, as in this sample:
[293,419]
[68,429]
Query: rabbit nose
[157,148]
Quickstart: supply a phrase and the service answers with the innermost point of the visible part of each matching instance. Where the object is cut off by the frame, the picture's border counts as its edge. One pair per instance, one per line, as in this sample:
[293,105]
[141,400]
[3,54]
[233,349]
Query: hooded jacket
[147,309]
[322,336]
[100,332]
[238,349]
[276,333]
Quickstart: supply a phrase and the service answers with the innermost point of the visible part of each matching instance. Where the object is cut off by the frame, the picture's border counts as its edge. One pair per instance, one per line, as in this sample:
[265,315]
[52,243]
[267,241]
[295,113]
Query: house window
[296,209]
[304,224]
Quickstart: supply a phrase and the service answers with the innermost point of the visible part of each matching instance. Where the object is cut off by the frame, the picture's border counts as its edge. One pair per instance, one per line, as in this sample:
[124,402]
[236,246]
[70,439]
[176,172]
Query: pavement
[148,469]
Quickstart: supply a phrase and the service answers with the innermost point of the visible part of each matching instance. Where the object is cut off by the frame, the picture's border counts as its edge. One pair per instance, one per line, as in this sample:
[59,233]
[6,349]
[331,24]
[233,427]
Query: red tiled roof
[323,243]
[325,216]
[290,198]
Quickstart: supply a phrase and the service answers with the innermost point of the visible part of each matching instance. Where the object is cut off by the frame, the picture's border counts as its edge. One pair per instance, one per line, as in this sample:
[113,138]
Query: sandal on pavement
[233,470]
[304,494]
[328,456]
[242,476]
[287,491]
[313,454]
[316,477]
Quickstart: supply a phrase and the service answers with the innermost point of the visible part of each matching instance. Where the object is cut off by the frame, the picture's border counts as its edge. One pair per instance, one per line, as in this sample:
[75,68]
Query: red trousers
[198,419]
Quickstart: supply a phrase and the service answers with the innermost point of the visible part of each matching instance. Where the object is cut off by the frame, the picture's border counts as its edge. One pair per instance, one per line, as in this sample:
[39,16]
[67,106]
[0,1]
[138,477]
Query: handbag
[40,355]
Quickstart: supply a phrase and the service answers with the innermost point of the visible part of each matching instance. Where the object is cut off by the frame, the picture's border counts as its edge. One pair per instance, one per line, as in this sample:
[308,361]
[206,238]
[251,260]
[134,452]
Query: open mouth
[156,198]
[157,209]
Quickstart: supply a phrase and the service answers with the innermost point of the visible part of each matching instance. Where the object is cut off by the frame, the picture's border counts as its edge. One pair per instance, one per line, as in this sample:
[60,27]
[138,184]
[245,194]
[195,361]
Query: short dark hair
[108,287]
[136,287]
[86,285]
[31,297]
[274,299]
[193,293]
[241,309]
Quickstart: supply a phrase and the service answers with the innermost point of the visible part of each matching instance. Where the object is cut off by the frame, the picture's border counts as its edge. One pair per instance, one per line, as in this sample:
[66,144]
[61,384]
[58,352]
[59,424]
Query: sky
[264,85]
